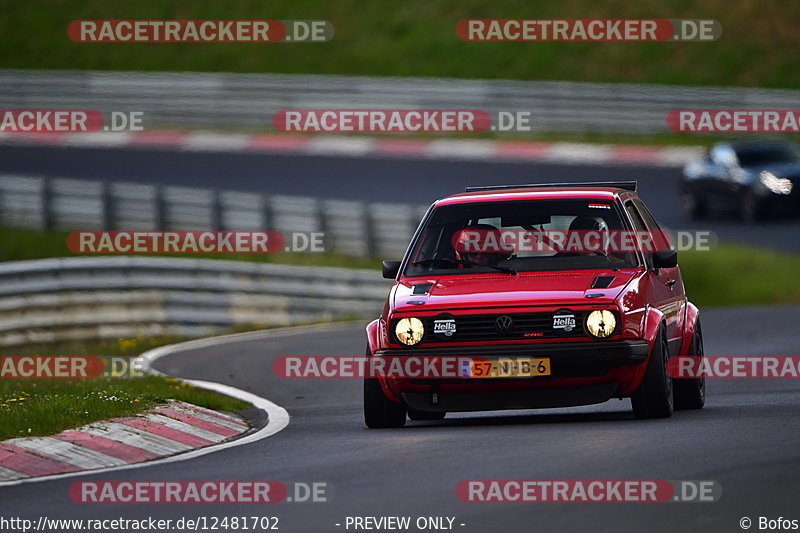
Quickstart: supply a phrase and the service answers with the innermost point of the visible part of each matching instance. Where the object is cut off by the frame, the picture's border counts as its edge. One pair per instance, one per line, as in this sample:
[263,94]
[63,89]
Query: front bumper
[581,374]
[567,359]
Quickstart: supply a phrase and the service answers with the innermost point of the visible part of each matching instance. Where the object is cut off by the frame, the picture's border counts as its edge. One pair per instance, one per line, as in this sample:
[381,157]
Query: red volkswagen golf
[549,295]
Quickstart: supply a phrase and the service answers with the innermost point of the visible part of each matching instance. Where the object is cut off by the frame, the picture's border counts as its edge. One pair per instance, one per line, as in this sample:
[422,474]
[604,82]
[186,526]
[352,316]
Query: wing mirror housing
[665,258]
[389,269]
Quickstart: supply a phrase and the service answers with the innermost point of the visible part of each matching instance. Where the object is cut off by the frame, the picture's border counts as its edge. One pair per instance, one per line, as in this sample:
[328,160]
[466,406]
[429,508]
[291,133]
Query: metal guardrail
[349,227]
[198,100]
[49,300]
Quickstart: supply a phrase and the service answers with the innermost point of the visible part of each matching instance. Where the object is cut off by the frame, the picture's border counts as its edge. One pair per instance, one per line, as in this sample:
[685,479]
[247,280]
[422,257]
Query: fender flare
[653,319]
[689,328]
[374,335]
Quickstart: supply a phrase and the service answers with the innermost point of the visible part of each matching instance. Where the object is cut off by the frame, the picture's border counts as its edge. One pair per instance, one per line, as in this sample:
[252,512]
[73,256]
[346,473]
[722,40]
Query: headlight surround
[774,183]
[601,323]
[409,331]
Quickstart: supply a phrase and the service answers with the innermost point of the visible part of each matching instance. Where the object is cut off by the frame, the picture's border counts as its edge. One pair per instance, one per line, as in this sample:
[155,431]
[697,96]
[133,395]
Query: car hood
[502,290]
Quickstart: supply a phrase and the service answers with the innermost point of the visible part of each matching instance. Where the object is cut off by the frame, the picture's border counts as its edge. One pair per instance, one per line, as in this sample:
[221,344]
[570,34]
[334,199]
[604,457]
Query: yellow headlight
[409,331]
[601,324]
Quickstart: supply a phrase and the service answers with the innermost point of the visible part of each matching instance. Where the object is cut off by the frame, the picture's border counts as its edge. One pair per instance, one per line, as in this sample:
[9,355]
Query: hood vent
[422,288]
[601,282]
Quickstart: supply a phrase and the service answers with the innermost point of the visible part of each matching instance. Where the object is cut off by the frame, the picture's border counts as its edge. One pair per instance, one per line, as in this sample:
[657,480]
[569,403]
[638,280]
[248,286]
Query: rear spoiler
[627,185]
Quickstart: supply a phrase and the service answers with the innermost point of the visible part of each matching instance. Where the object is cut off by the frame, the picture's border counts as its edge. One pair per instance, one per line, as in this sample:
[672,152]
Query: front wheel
[691,393]
[380,411]
[653,397]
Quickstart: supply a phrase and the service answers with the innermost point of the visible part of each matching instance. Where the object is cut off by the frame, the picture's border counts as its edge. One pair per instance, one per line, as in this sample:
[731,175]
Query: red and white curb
[166,430]
[172,432]
[350,146]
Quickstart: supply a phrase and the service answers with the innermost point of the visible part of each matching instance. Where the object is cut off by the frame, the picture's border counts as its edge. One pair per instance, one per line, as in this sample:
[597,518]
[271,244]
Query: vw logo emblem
[504,323]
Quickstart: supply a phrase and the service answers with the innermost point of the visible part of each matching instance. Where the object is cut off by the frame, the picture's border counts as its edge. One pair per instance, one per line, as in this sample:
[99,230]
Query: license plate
[507,368]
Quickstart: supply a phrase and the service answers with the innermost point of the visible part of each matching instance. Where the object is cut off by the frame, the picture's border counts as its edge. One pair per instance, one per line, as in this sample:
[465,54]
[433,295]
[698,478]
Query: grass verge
[36,407]
[417,38]
[741,275]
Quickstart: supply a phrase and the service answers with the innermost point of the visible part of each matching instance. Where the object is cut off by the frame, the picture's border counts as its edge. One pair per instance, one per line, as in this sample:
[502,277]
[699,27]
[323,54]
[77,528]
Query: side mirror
[665,258]
[390,269]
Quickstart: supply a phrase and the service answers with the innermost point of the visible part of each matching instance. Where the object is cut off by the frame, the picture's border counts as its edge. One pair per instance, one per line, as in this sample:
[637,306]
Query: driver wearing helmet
[481,245]
[580,227]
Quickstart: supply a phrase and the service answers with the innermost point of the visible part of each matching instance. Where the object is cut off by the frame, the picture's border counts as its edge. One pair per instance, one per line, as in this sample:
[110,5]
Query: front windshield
[519,236]
[768,154]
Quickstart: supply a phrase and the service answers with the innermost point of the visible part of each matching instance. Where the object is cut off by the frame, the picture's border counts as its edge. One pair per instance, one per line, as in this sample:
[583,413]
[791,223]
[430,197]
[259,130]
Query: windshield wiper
[426,262]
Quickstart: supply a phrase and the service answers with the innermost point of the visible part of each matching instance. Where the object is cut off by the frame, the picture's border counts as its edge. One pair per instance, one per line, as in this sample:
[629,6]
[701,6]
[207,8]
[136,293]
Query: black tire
[414,414]
[653,398]
[380,411]
[694,206]
[691,393]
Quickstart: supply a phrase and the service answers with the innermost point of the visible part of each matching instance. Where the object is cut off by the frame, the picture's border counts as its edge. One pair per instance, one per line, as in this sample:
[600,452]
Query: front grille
[525,326]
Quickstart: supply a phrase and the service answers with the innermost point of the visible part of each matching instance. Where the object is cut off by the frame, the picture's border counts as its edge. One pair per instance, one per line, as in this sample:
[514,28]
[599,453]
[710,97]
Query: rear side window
[646,215]
[660,238]
[638,225]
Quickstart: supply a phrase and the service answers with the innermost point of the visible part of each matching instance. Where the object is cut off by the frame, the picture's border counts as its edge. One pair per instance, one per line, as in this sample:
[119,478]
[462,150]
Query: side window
[638,225]
[660,238]
[646,214]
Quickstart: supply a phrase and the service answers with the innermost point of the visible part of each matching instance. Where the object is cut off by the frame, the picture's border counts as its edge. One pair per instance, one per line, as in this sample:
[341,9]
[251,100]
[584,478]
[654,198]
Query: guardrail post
[370,244]
[266,213]
[216,210]
[322,226]
[160,208]
[107,206]
[46,201]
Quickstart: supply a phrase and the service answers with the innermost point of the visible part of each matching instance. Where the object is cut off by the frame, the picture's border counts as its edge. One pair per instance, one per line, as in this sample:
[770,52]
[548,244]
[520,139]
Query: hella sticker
[444,326]
[564,322]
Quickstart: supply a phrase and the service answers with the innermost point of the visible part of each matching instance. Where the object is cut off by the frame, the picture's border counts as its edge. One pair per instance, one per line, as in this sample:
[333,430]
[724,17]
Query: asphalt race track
[746,439]
[389,179]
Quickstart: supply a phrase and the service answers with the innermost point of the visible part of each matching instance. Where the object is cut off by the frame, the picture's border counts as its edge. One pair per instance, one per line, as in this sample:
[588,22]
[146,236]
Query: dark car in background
[752,178]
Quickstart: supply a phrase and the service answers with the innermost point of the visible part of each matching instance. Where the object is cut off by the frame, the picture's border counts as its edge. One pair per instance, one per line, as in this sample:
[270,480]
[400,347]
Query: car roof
[601,192]
[740,144]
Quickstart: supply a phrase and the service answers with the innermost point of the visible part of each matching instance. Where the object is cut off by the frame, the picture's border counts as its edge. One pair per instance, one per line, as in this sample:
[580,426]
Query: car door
[664,285]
